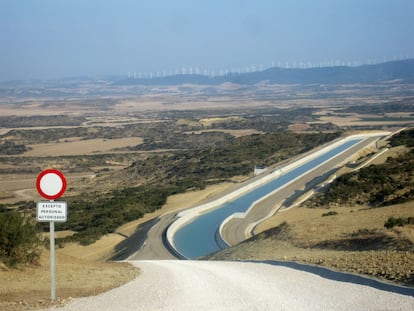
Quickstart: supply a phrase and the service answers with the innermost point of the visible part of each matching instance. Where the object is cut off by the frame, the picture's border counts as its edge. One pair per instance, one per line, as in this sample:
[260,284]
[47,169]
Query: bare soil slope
[352,240]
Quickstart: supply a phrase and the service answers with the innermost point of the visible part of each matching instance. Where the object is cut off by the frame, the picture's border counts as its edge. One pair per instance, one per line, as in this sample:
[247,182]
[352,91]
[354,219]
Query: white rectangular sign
[51,211]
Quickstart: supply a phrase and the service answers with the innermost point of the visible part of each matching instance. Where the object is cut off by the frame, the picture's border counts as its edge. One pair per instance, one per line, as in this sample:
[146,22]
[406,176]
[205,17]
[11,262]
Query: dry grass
[18,187]
[357,120]
[81,147]
[298,127]
[29,286]
[235,133]
[210,121]
[308,225]
[339,241]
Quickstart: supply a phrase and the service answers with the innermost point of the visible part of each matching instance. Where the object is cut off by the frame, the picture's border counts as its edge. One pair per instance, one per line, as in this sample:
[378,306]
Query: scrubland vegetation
[376,185]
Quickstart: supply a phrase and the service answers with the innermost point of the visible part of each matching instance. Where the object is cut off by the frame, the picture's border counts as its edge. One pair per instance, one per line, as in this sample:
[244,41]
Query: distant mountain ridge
[395,70]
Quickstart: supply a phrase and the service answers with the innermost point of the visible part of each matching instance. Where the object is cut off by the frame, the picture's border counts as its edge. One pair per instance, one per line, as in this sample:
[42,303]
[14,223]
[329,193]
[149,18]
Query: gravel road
[212,285]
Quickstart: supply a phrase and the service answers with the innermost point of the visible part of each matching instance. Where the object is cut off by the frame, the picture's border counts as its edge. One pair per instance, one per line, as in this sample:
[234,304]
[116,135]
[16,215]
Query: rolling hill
[396,70]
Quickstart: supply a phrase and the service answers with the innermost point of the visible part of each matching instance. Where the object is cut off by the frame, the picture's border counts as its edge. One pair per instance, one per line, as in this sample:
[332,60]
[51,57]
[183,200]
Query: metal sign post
[52,262]
[51,184]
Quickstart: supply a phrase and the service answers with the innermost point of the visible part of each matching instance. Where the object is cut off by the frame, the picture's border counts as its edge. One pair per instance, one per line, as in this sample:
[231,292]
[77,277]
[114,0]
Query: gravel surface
[211,285]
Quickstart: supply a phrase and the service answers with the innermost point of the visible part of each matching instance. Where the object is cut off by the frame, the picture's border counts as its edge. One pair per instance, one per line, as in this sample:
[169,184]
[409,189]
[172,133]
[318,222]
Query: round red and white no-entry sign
[51,184]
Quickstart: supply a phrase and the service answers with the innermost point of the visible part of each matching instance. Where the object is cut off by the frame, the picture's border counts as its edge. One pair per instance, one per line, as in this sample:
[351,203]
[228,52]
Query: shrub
[18,239]
[392,222]
[11,148]
[331,213]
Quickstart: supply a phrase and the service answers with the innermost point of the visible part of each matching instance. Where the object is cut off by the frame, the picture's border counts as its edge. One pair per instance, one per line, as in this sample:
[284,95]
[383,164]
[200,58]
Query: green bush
[18,239]
[392,222]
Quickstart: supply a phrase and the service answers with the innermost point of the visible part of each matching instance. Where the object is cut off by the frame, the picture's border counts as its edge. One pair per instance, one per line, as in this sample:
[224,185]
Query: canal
[200,237]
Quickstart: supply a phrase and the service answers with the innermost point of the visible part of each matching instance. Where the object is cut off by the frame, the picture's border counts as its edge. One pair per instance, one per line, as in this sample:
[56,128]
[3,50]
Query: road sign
[51,211]
[51,184]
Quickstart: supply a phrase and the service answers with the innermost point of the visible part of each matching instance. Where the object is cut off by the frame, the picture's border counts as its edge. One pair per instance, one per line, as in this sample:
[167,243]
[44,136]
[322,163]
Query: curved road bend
[237,230]
[154,246]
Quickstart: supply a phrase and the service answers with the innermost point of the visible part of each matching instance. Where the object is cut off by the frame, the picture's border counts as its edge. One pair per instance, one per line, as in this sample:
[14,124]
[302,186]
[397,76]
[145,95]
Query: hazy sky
[60,38]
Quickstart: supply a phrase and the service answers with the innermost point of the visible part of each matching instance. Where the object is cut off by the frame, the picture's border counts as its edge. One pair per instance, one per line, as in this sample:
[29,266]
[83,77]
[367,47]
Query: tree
[18,239]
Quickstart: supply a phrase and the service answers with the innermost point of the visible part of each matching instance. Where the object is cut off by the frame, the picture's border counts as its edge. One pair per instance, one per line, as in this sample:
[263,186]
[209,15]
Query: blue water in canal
[199,237]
